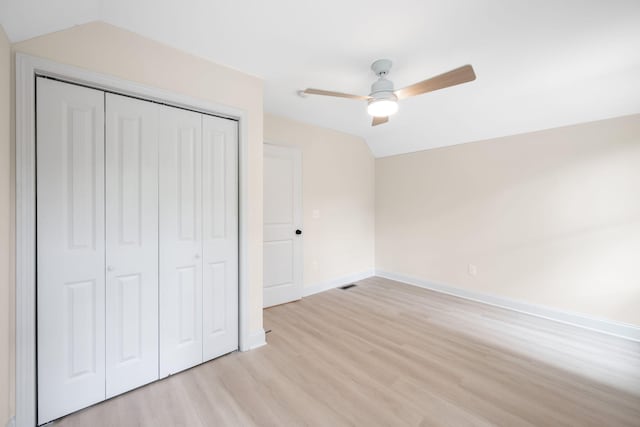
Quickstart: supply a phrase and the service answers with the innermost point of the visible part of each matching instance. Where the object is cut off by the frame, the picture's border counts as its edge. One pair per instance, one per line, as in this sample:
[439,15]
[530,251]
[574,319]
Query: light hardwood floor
[385,353]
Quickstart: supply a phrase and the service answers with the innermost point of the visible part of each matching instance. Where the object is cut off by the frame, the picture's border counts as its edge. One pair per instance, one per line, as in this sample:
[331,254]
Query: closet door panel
[131,243]
[180,161]
[220,236]
[70,250]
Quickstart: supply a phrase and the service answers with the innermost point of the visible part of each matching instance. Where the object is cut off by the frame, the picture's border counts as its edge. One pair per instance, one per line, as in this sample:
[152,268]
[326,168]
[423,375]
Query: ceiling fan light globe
[382,107]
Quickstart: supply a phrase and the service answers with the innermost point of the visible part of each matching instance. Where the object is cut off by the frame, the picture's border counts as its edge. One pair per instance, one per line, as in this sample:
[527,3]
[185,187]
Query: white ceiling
[540,64]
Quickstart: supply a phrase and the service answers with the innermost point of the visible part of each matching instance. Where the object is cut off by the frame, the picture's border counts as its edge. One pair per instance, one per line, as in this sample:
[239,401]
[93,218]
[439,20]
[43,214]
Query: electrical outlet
[314,264]
[315,214]
[473,270]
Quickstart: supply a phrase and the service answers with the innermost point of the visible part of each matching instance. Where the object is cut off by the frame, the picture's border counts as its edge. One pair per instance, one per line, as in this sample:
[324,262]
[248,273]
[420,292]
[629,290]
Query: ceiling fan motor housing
[382,89]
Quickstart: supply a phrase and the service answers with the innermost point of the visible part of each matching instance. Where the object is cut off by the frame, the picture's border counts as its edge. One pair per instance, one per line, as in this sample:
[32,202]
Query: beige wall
[338,181]
[549,218]
[6,323]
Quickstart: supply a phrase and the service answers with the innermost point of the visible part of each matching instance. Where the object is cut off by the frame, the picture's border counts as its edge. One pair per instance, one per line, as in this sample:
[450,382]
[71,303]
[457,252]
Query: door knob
[110,268]
[197,256]
[298,231]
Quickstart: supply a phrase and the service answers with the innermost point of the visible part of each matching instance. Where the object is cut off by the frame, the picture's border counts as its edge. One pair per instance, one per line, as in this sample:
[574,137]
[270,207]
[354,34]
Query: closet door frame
[27,69]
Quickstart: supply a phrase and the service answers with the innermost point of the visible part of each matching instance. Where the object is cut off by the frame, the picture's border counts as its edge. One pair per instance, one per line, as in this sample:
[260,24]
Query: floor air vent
[349,286]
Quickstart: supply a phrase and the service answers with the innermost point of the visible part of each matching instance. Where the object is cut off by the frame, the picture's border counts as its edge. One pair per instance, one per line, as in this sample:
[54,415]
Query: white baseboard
[601,325]
[256,339]
[334,283]
[11,422]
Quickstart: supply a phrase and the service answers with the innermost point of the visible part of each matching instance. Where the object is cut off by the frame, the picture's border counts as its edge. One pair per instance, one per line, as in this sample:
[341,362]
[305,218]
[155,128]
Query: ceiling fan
[383,99]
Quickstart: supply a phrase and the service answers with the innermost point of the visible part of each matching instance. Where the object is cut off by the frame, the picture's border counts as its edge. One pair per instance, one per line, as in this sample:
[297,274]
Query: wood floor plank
[386,353]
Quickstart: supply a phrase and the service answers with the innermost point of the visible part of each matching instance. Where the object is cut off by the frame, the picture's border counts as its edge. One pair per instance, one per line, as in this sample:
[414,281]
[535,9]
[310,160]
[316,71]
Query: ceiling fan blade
[458,76]
[330,93]
[379,120]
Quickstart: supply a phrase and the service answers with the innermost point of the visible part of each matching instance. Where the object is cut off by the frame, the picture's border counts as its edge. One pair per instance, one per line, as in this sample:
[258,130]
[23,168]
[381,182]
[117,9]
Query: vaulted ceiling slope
[539,64]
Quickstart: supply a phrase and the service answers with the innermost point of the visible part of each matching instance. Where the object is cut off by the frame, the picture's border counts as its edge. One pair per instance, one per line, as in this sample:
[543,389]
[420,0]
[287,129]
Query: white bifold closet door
[131,243]
[220,236]
[71,248]
[180,240]
[137,243]
[198,238]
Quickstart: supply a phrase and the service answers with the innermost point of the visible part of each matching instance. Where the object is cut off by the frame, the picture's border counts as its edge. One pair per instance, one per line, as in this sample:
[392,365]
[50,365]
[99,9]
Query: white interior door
[180,171]
[131,243]
[282,225]
[70,250]
[220,236]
